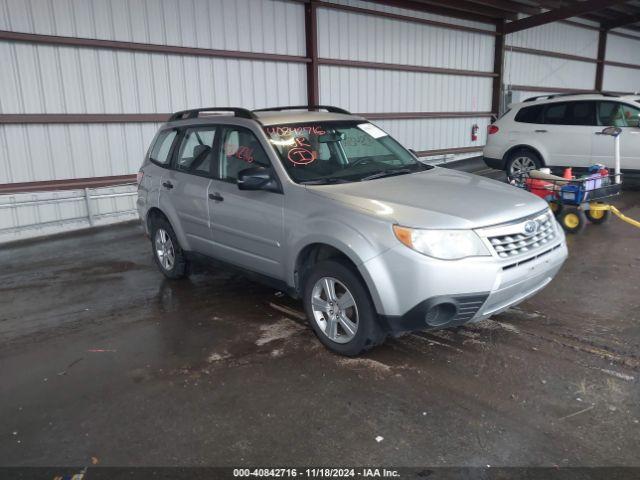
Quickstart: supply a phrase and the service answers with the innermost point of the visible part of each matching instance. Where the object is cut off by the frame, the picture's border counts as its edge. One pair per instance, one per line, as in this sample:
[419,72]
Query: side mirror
[415,154]
[257,178]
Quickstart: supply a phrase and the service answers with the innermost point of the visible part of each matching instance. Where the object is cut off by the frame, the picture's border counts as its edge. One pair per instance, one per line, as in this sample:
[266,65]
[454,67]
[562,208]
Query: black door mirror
[257,178]
[415,154]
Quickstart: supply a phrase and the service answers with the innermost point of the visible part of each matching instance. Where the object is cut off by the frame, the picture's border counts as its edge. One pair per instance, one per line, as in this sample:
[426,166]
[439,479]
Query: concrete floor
[102,357]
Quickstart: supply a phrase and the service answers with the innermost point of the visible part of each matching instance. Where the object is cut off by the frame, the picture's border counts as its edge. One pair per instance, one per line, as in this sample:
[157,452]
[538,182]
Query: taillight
[491,129]
[139,177]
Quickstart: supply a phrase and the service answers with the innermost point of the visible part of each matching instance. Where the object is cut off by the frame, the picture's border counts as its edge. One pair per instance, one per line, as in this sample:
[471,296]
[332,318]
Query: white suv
[559,131]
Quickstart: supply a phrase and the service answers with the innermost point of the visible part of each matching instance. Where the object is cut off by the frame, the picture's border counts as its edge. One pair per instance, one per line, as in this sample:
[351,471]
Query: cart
[572,201]
[576,200]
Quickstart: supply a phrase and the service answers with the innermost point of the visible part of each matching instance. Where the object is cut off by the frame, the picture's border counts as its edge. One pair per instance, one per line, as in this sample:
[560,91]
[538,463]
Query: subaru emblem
[530,227]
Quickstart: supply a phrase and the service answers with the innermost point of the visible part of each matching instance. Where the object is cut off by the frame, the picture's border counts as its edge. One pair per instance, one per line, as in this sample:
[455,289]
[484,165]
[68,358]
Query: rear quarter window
[532,114]
[162,147]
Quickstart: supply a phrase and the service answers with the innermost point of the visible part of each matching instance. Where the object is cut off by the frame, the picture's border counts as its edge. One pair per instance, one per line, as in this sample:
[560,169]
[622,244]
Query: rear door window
[196,151]
[162,147]
[570,113]
[556,114]
[581,113]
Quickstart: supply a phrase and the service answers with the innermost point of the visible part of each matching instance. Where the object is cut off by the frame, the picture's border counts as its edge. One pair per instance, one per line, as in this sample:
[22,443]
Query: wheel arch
[522,146]
[155,212]
[314,253]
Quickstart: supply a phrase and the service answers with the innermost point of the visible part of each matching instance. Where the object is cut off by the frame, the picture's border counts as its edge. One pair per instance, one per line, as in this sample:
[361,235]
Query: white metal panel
[54,79]
[37,152]
[557,37]
[540,71]
[28,215]
[268,26]
[368,90]
[620,79]
[626,31]
[521,96]
[436,133]
[354,36]
[623,49]
[414,13]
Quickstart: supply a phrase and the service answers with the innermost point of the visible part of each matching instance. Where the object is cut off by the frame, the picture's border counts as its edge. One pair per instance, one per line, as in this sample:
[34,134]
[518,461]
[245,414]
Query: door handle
[216,196]
[168,185]
[541,131]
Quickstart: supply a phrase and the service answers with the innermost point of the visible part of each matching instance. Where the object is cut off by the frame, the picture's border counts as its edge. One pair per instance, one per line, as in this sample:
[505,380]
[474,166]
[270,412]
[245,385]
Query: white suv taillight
[139,177]
[491,129]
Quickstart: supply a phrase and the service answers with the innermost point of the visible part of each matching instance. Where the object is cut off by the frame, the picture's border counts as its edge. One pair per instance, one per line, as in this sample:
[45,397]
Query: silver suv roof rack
[570,94]
[328,108]
[195,113]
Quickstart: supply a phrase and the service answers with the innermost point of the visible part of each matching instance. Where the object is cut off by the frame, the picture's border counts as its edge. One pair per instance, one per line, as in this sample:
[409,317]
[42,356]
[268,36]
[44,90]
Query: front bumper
[414,292]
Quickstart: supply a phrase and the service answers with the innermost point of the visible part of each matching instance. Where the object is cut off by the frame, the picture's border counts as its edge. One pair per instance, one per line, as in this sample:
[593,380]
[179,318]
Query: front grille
[525,236]
[530,259]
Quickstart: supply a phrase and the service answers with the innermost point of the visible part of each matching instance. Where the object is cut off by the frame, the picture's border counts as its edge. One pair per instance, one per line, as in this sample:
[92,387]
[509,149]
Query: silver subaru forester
[329,208]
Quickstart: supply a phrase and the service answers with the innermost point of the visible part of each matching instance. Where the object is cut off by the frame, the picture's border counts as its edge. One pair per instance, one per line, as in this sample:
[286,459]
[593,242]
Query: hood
[436,198]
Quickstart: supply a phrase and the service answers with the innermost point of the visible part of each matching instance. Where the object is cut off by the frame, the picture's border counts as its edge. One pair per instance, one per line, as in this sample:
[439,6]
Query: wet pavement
[103,360]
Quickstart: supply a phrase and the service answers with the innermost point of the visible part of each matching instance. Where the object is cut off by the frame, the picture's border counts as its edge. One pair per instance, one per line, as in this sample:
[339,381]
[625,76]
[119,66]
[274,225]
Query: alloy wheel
[521,165]
[334,310]
[164,249]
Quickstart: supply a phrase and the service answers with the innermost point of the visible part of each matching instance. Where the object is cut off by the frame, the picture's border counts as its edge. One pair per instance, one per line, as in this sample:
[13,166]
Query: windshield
[337,152]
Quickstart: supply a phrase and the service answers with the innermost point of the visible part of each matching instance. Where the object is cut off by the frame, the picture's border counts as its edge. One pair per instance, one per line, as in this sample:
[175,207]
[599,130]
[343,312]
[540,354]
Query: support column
[602,51]
[311,33]
[498,67]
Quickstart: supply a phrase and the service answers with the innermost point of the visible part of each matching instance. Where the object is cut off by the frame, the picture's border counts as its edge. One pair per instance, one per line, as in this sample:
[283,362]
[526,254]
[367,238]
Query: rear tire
[340,309]
[573,220]
[167,252]
[520,161]
[597,216]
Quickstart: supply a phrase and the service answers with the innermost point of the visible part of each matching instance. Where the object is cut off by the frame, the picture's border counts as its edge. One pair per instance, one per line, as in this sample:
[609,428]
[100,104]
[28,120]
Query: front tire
[573,220]
[167,252]
[340,309]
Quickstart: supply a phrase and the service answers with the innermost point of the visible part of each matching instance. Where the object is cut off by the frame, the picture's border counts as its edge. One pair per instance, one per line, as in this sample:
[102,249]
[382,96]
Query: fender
[346,238]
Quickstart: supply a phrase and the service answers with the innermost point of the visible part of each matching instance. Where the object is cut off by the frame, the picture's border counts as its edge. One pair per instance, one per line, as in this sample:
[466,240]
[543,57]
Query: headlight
[443,244]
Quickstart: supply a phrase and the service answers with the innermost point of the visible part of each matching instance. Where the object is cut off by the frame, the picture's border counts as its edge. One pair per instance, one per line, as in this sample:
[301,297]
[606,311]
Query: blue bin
[572,194]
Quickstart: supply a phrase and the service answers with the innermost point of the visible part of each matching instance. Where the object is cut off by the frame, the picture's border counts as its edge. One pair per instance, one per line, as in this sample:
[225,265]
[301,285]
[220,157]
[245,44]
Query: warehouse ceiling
[523,14]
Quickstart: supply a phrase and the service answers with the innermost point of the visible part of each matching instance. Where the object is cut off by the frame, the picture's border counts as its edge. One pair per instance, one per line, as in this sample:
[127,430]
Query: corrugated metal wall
[27,215]
[623,50]
[245,25]
[413,13]
[354,36]
[66,79]
[37,78]
[557,37]
[545,71]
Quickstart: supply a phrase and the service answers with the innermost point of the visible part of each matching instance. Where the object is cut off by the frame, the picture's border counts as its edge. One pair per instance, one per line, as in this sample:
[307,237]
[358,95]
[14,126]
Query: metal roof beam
[509,6]
[474,8]
[561,13]
[438,10]
[621,21]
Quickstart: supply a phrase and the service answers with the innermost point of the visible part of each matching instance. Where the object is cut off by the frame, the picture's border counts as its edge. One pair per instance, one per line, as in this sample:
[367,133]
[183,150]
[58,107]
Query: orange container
[540,188]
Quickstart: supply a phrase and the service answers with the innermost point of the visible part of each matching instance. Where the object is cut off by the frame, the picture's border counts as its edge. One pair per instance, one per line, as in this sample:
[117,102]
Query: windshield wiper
[324,181]
[387,173]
